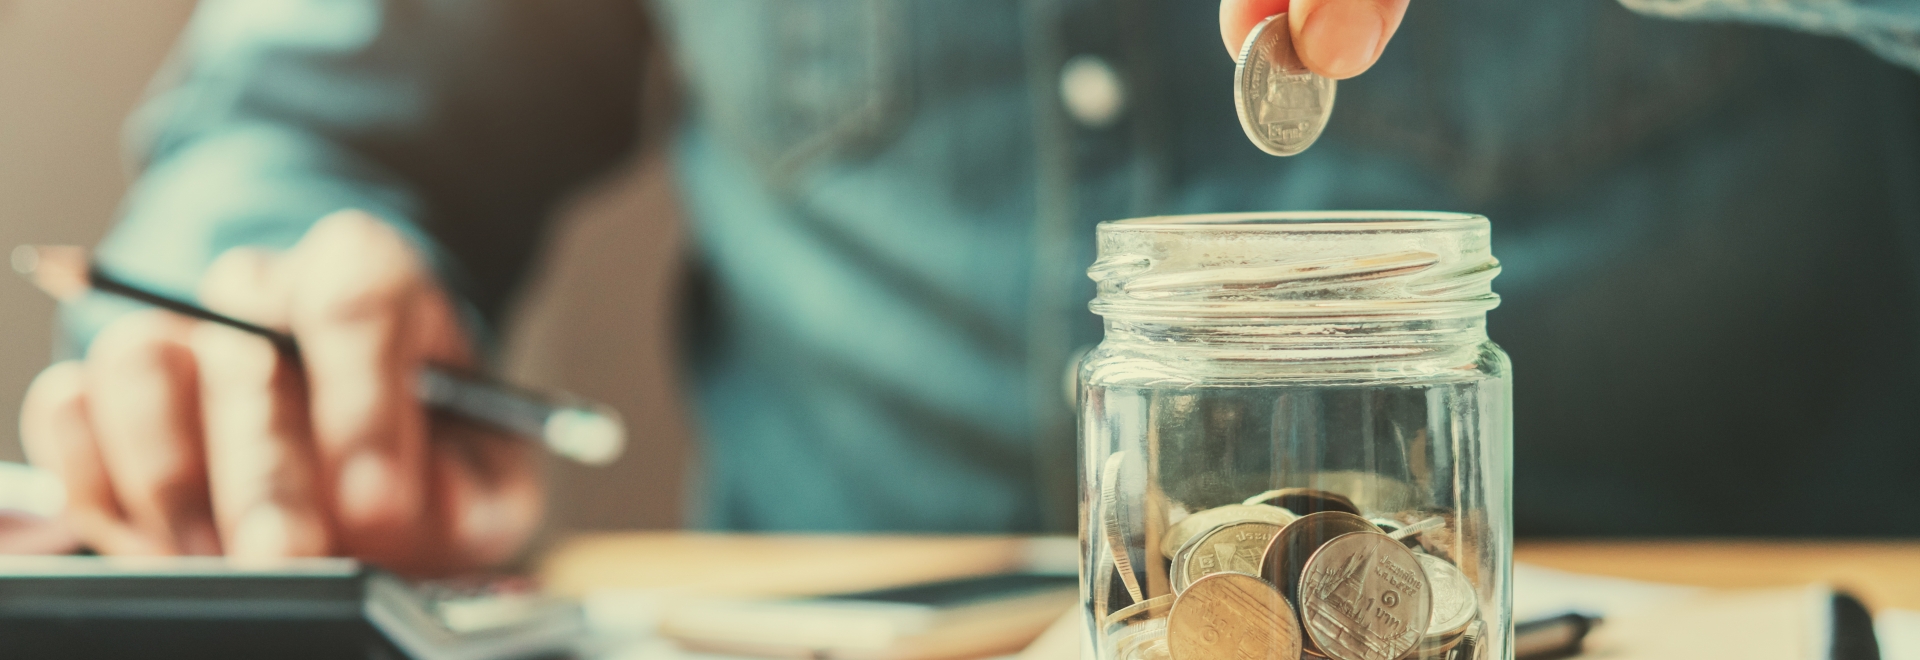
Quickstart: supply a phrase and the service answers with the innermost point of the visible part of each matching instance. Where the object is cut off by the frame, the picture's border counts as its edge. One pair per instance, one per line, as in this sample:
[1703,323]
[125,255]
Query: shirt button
[1092,92]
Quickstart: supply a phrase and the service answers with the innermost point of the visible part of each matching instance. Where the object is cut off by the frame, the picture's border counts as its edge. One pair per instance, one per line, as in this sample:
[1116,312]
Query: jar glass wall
[1295,439]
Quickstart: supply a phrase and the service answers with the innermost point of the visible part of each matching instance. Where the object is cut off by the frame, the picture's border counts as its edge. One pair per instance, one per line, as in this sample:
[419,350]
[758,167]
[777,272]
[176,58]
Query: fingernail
[263,535]
[1338,40]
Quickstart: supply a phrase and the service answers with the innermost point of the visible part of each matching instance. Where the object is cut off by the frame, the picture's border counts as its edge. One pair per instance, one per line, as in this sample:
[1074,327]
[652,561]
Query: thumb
[1337,39]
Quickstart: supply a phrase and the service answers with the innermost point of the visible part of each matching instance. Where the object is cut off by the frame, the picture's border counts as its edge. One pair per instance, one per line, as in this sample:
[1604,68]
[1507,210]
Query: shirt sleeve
[1889,28]
[463,122]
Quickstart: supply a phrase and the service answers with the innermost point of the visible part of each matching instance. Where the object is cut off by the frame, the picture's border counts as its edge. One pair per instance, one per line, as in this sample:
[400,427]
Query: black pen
[1552,637]
[566,425]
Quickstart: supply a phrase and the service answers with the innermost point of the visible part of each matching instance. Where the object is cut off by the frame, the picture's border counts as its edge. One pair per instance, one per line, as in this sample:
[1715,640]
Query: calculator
[323,609]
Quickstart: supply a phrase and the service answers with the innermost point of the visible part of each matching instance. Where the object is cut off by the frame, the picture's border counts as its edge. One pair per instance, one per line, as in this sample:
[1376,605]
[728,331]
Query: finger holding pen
[263,471]
[400,487]
[321,448]
[143,395]
[355,305]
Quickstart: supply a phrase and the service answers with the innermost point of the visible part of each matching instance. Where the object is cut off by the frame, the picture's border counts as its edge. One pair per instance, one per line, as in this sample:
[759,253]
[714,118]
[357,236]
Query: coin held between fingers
[1283,106]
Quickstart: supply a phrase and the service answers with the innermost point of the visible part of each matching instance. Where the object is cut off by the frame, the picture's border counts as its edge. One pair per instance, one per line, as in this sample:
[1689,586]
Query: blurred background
[70,72]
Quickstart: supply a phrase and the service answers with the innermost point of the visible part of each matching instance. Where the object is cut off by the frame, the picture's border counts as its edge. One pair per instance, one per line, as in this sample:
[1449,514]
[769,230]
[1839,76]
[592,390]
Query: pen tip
[59,270]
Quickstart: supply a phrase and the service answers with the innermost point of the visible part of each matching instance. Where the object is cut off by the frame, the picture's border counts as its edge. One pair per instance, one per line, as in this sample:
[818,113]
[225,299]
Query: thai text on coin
[1236,547]
[1363,596]
[1287,555]
[1283,107]
[1193,525]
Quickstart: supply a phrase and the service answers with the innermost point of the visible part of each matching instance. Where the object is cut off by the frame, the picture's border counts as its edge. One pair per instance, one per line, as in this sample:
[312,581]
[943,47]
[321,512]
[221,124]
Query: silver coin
[1455,605]
[1283,106]
[1286,557]
[1128,641]
[1102,581]
[1194,525]
[1363,596]
[1469,646]
[1115,535]
[1154,608]
[1236,548]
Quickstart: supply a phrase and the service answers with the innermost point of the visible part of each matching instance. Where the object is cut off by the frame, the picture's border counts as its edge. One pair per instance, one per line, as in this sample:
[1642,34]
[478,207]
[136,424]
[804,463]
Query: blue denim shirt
[1710,225]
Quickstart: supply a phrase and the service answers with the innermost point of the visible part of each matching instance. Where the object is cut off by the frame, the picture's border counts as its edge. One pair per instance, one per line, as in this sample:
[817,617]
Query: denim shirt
[1709,226]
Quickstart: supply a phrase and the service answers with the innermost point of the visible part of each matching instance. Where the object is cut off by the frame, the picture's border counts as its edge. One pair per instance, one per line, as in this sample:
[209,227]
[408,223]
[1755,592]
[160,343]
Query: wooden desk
[1883,574]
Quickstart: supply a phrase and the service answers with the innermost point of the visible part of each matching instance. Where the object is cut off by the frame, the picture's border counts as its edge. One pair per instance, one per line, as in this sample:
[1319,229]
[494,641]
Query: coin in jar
[1110,523]
[1193,525]
[1363,596]
[1283,107]
[1237,547]
[1304,501]
[1469,646]
[1230,616]
[1287,554]
[1455,605]
[1130,639]
[1152,608]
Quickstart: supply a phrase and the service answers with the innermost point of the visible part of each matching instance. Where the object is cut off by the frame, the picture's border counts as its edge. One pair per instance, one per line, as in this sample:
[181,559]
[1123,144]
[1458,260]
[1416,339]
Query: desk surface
[1884,574]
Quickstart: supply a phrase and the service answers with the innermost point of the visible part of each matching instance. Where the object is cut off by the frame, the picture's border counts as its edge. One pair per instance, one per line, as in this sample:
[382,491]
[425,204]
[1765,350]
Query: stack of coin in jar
[1292,573]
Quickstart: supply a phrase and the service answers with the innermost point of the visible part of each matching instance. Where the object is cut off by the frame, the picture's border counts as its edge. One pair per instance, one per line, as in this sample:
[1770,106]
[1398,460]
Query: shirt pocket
[793,83]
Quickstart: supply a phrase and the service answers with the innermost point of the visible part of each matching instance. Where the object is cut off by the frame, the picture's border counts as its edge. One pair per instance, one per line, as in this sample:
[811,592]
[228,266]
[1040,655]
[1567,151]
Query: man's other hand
[1338,39]
[175,436]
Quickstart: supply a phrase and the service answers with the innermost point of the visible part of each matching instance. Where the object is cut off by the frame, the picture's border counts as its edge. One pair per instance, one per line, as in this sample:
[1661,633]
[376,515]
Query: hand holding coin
[1282,89]
[1337,39]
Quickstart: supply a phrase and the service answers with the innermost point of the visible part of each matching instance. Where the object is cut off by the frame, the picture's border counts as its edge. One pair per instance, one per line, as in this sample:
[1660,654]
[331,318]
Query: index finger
[1335,38]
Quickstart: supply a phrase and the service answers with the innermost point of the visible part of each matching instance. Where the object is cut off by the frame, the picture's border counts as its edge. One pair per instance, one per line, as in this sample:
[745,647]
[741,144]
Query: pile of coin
[1290,573]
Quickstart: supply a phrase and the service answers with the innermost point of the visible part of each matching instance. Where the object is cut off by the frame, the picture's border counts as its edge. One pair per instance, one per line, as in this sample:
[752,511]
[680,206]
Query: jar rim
[1302,221]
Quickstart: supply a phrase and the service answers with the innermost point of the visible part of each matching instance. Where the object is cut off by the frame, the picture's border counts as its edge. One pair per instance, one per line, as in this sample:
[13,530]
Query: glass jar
[1295,440]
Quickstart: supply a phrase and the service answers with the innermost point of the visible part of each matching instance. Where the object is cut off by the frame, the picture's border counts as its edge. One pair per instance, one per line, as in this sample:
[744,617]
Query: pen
[574,428]
[1552,637]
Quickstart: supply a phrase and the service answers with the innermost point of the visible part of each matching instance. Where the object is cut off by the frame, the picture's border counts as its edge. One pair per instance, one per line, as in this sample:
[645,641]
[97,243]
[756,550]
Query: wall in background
[69,73]
[595,322]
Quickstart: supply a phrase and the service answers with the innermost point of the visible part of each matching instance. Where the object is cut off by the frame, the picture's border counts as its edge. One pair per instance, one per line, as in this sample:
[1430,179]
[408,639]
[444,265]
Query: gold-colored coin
[1287,555]
[1363,596]
[1237,548]
[1230,616]
[1305,501]
[1194,525]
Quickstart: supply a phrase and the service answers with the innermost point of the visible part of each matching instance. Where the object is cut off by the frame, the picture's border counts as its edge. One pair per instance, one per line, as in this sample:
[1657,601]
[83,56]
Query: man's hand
[182,437]
[1338,39]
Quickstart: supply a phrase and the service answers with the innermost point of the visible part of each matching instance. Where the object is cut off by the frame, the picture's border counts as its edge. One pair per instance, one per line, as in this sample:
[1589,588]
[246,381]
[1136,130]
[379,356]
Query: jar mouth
[1307,221]
[1295,265]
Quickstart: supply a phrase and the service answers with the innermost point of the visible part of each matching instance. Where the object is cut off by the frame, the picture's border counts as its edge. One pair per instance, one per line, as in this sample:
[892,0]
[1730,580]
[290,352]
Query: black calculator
[333,609]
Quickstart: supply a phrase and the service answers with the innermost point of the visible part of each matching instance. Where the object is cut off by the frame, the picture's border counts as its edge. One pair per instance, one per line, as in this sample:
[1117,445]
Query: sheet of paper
[1899,633]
